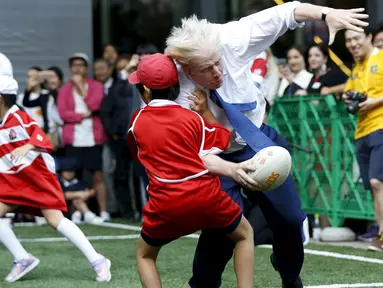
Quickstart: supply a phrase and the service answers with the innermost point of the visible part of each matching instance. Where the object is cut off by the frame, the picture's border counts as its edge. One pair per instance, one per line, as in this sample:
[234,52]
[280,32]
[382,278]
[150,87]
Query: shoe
[105,215]
[102,269]
[76,217]
[371,234]
[376,245]
[297,284]
[22,267]
[40,220]
[91,218]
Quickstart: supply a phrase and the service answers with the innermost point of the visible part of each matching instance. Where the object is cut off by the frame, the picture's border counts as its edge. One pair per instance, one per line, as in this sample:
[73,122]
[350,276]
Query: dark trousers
[282,210]
[121,177]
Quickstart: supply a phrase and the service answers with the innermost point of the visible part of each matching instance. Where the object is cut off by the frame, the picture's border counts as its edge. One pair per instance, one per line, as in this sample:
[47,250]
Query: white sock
[10,241]
[77,237]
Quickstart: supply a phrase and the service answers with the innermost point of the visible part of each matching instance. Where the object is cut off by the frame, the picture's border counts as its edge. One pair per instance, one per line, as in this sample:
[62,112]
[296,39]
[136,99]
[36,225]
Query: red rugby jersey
[169,141]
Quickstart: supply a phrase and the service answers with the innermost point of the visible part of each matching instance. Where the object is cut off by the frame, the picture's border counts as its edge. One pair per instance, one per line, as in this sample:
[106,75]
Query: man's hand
[77,80]
[18,154]
[301,92]
[367,105]
[339,19]
[32,83]
[324,91]
[88,114]
[239,175]
[345,98]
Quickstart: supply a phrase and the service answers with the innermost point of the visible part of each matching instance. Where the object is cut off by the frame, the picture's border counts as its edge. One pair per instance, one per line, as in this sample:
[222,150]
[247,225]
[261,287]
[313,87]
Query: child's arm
[237,171]
[38,140]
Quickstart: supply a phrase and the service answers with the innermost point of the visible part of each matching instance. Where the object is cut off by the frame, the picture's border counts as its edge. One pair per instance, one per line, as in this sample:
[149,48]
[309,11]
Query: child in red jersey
[184,197]
[29,184]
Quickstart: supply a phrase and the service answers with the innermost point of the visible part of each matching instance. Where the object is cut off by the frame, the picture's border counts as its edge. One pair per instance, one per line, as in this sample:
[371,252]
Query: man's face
[79,67]
[101,71]
[357,43]
[207,72]
[378,40]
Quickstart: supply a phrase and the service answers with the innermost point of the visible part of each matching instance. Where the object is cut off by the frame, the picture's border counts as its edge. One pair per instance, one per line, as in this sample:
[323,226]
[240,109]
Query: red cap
[156,71]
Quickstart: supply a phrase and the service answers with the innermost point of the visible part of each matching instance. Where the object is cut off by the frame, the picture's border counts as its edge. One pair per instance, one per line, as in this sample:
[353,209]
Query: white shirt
[241,42]
[83,131]
[107,86]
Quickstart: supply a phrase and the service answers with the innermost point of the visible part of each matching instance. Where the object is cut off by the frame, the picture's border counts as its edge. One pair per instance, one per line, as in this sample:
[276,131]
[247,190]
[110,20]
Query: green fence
[327,176]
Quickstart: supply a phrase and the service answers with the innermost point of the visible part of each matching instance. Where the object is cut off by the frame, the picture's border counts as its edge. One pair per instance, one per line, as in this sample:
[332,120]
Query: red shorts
[32,190]
[179,209]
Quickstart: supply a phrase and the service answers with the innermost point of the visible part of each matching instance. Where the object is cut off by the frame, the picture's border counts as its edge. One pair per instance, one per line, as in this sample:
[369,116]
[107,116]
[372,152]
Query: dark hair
[299,48]
[59,73]
[170,93]
[37,68]
[146,49]
[322,47]
[379,30]
[101,60]
[111,45]
[9,99]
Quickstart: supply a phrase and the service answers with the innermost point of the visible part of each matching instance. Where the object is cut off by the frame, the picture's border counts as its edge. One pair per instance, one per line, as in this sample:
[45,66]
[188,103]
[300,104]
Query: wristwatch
[325,12]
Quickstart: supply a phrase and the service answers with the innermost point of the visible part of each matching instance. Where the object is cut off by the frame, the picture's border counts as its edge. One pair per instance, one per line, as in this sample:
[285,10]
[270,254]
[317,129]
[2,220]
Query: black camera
[355,98]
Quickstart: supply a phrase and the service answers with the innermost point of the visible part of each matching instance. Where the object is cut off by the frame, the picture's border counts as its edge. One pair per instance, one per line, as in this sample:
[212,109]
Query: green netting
[327,178]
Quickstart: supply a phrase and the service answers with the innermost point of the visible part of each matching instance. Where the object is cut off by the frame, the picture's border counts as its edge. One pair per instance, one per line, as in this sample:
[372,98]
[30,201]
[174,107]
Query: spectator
[326,80]
[76,193]
[46,102]
[378,38]
[115,114]
[295,77]
[79,103]
[110,54]
[32,92]
[367,79]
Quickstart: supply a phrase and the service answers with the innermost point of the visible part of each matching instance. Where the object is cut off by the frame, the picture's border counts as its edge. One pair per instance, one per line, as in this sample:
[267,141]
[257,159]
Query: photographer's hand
[345,98]
[367,105]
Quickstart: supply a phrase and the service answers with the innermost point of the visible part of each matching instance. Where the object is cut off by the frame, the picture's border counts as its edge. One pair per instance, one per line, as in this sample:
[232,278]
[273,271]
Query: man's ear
[174,56]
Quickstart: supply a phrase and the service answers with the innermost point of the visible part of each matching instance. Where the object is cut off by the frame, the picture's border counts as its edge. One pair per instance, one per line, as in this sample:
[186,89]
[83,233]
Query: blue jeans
[282,210]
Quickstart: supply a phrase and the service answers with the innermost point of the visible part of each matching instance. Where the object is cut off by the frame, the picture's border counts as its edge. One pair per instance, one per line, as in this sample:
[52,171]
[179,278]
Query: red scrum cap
[156,71]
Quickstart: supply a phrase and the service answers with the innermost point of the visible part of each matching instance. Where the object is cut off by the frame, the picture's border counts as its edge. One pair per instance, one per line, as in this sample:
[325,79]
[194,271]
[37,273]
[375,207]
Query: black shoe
[297,284]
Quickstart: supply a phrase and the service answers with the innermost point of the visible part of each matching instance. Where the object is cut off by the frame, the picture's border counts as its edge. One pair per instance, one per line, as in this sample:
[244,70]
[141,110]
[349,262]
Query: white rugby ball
[273,166]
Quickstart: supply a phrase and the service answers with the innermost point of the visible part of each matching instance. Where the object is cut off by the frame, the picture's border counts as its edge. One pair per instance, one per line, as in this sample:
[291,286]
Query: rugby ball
[273,166]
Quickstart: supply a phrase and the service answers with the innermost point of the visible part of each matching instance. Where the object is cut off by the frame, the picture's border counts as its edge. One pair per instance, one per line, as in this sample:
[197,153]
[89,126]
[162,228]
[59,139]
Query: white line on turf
[347,285]
[307,251]
[91,238]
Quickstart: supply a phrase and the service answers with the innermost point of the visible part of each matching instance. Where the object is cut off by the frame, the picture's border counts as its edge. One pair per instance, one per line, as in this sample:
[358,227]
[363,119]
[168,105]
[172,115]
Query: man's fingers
[358,22]
[360,16]
[356,10]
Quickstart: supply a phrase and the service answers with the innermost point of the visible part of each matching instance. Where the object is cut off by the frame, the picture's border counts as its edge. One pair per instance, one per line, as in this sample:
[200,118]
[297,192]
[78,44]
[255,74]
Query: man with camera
[364,97]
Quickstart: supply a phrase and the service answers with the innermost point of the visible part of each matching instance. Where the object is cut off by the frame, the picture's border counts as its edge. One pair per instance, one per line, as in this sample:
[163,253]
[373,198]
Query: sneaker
[91,218]
[102,269]
[376,245]
[106,216]
[297,284]
[371,234]
[22,267]
[76,217]
[40,220]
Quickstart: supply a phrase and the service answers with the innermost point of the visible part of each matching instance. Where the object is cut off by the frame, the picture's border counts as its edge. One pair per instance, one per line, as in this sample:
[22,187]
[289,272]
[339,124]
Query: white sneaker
[22,267]
[105,215]
[102,269]
[76,218]
[91,218]
[40,220]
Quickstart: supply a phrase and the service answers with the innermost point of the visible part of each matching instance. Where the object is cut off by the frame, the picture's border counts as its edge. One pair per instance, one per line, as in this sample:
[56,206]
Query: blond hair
[194,40]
